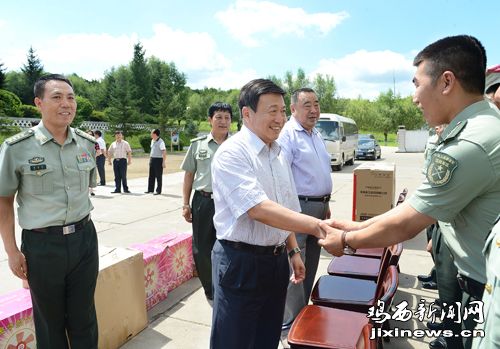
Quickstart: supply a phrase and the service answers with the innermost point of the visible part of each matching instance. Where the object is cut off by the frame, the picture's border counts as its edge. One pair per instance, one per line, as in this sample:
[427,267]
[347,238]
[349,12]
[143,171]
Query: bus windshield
[329,129]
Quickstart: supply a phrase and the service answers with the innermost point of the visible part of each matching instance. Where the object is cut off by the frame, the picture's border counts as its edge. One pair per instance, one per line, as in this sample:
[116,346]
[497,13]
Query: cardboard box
[179,263]
[373,189]
[120,297]
[155,275]
[17,329]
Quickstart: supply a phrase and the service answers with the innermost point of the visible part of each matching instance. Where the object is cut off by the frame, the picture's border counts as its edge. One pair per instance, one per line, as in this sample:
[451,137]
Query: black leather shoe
[157,194]
[127,191]
[431,285]
[115,192]
[425,278]
[438,343]
[148,192]
[435,326]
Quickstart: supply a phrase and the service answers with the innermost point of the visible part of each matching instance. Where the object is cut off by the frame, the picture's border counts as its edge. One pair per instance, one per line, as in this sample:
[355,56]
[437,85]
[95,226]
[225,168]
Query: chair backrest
[396,251]
[364,341]
[388,286]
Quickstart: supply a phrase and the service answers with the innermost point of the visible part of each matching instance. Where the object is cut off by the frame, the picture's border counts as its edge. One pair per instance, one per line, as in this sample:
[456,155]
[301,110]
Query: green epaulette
[21,136]
[199,138]
[85,135]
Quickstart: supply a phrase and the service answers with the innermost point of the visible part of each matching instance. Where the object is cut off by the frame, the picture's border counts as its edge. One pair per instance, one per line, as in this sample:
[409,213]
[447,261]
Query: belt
[117,159]
[205,194]
[256,249]
[472,287]
[64,229]
[325,198]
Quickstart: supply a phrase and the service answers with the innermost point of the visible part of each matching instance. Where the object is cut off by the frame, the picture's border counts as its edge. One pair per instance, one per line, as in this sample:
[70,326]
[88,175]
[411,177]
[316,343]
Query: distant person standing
[121,153]
[158,155]
[197,166]
[100,156]
[306,152]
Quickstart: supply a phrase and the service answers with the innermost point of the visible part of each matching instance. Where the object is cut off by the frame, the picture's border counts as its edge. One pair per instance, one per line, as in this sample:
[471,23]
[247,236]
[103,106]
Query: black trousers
[203,211]
[155,173]
[249,298]
[100,163]
[120,170]
[62,274]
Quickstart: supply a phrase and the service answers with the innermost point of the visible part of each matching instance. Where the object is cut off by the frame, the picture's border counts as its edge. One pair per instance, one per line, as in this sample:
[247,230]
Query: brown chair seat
[370,252]
[322,327]
[354,294]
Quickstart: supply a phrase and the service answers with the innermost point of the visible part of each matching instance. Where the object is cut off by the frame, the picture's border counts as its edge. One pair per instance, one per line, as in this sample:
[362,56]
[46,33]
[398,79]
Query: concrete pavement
[183,320]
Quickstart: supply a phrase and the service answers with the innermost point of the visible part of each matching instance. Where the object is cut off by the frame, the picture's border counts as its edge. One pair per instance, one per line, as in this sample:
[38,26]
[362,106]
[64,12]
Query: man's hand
[186,213]
[17,264]
[299,270]
[332,242]
[343,224]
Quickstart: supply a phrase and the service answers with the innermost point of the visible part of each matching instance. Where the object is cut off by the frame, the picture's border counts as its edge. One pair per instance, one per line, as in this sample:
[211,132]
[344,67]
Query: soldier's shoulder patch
[21,136]
[440,169]
[199,138]
[85,135]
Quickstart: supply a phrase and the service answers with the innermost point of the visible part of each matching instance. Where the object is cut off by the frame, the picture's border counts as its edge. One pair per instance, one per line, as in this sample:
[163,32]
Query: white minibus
[341,137]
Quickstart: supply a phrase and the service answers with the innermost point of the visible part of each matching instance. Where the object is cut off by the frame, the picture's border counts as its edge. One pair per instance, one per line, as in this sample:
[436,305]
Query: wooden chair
[364,267]
[322,327]
[355,294]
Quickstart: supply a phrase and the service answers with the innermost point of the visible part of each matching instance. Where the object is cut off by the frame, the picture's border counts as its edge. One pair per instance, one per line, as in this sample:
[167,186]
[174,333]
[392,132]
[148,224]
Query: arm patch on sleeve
[440,169]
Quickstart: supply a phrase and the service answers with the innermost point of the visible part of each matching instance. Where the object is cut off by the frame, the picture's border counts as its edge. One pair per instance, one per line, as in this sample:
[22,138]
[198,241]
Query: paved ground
[183,320]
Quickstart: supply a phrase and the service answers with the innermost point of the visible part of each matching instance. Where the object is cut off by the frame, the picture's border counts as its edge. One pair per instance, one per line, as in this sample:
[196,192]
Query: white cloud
[246,19]
[225,79]
[90,55]
[369,73]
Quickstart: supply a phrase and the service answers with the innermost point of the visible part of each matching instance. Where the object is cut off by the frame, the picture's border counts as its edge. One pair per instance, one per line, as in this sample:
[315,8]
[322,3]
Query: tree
[2,76]
[122,111]
[141,79]
[32,70]
[326,90]
[10,105]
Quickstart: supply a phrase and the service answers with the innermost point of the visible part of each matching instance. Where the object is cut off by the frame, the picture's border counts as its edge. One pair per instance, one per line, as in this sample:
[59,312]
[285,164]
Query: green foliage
[191,130]
[6,130]
[122,111]
[32,70]
[98,116]
[10,104]
[141,79]
[2,76]
[145,143]
[30,111]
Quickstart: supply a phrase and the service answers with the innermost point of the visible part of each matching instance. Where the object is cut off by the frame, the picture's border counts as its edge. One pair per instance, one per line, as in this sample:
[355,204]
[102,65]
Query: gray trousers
[297,296]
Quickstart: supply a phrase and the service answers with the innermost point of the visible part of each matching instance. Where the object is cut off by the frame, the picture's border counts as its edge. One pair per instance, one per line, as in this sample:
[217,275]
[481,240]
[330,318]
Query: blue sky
[366,45]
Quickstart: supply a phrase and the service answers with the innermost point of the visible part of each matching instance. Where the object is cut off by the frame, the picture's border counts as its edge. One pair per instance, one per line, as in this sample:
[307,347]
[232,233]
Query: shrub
[29,111]
[10,104]
[146,143]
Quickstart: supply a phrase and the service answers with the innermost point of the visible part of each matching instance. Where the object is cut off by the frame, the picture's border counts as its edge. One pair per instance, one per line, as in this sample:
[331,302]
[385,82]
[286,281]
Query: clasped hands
[331,233]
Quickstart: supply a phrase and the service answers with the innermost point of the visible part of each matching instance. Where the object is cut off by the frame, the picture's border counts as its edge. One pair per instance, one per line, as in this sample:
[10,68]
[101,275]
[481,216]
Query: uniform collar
[458,123]
[210,137]
[298,127]
[256,144]
[43,135]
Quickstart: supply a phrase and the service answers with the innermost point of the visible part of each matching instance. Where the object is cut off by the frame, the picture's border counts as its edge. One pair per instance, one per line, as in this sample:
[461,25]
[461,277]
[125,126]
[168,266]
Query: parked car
[366,136]
[368,148]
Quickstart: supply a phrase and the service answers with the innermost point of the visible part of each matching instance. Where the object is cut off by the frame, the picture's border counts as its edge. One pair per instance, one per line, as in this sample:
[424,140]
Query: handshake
[330,233]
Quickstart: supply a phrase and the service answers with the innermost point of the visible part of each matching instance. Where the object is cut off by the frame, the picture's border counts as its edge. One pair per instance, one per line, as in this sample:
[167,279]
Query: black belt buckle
[326,198]
[279,249]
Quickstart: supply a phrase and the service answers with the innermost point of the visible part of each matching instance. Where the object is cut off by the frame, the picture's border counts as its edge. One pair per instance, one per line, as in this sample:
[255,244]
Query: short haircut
[251,92]
[295,95]
[98,133]
[39,88]
[220,106]
[463,55]
[118,132]
[156,131]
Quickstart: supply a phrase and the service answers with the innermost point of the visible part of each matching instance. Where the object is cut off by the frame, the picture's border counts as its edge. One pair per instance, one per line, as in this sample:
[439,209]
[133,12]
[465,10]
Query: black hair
[251,92]
[98,133]
[156,131]
[39,88]
[220,106]
[464,55]
[295,95]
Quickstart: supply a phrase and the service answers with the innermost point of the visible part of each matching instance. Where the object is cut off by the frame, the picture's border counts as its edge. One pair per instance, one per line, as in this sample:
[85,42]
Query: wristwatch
[293,252]
[348,250]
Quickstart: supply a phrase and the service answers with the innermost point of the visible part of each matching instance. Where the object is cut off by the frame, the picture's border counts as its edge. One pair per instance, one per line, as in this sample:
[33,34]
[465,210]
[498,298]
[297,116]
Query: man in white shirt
[306,152]
[255,210]
[157,159]
[100,157]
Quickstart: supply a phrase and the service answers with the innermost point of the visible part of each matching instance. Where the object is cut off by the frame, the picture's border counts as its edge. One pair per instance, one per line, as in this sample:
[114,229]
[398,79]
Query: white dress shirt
[245,172]
[308,158]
